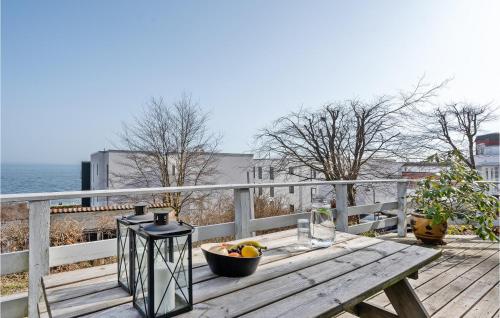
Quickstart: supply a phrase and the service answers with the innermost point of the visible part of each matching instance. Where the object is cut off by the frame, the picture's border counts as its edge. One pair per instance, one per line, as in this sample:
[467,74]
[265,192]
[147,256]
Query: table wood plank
[225,285]
[270,290]
[81,288]
[100,274]
[271,240]
[89,303]
[89,287]
[121,311]
[333,296]
[280,249]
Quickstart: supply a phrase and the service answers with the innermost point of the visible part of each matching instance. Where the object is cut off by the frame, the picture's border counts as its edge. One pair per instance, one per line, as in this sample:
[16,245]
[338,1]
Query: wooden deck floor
[463,282]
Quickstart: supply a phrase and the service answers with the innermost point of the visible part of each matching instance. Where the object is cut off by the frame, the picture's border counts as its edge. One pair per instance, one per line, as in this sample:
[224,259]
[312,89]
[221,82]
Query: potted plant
[457,194]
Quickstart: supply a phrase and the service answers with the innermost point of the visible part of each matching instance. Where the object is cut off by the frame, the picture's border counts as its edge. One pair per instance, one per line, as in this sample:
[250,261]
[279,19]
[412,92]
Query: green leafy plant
[457,193]
[324,211]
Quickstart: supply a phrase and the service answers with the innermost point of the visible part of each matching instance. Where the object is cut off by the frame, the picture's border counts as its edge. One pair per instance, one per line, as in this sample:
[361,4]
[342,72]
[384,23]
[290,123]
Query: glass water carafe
[322,227]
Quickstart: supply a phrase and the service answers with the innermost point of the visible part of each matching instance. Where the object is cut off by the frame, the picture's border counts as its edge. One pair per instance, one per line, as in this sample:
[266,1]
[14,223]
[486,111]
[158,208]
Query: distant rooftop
[488,139]
[123,207]
[132,151]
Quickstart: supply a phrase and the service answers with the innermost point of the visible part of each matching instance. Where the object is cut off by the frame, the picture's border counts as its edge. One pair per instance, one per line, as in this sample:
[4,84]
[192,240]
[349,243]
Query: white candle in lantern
[162,277]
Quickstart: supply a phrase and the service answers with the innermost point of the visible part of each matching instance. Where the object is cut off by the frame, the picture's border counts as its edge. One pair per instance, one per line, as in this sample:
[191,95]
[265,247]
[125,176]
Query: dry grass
[14,236]
[219,210]
[13,283]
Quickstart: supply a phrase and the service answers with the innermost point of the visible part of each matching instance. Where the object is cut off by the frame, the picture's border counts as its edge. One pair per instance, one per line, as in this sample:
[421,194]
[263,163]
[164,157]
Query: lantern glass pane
[171,275]
[123,254]
[141,273]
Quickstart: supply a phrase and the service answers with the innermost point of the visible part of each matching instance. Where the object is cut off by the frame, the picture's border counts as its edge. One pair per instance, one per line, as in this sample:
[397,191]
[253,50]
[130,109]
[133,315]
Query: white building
[109,169]
[487,159]
[266,171]
[487,156]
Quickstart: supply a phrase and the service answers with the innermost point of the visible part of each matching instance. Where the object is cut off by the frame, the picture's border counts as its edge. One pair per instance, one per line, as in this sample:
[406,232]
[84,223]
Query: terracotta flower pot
[427,232]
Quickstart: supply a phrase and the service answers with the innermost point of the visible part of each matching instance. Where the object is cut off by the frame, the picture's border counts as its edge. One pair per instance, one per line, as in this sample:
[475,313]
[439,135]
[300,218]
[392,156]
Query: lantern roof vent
[163,228]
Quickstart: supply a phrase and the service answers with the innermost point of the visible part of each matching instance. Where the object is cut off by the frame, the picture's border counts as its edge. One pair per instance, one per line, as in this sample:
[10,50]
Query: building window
[173,170]
[254,173]
[107,175]
[290,170]
[313,174]
[291,208]
[496,173]
[271,173]
[97,169]
[271,192]
[248,176]
[480,149]
[291,189]
[260,191]
[313,193]
[260,172]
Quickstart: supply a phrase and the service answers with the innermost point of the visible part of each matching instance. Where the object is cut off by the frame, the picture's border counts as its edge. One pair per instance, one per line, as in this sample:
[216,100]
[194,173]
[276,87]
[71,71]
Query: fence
[40,256]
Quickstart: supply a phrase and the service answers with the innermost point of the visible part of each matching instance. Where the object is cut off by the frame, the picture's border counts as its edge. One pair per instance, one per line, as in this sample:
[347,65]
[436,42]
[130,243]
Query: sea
[34,178]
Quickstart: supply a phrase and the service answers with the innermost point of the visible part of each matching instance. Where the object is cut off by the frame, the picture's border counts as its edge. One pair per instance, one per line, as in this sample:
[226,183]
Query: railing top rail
[19,197]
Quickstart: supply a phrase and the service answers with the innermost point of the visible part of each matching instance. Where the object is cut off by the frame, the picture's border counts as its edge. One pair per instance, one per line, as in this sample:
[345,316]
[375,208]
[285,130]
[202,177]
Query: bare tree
[338,139]
[454,127]
[169,145]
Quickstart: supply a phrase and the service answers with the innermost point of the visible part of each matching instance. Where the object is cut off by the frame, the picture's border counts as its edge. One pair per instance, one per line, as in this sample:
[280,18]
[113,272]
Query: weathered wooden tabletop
[288,283]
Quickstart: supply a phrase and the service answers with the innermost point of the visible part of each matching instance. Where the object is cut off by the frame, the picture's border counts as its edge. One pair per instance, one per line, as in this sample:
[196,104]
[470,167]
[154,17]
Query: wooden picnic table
[288,283]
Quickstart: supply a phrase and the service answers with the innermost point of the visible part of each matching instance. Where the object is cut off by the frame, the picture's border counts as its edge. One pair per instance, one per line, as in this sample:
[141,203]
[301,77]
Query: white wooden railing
[40,256]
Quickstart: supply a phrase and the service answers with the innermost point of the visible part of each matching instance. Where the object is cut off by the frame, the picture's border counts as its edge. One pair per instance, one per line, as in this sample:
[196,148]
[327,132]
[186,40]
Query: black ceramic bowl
[229,266]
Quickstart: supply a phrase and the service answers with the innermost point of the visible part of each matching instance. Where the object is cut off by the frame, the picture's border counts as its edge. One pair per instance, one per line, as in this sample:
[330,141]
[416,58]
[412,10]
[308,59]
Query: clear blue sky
[73,71]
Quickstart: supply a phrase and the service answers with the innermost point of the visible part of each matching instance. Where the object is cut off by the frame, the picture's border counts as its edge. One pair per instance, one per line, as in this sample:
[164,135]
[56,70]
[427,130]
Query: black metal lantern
[125,240]
[163,284]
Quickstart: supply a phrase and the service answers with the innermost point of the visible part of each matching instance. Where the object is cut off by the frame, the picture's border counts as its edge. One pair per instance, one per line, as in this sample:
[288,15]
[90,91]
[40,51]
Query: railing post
[39,243]
[401,192]
[243,212]
[342,221]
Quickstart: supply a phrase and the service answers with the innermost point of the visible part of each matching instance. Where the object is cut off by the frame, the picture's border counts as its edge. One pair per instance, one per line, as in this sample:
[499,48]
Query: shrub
[457,193]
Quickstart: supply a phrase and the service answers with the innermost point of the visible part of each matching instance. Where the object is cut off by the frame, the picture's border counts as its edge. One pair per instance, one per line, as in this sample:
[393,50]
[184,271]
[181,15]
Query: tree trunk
[351,195]
[351,201]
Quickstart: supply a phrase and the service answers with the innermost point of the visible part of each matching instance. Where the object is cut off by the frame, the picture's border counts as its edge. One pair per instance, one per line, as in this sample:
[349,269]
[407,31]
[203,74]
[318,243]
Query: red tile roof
[78,209]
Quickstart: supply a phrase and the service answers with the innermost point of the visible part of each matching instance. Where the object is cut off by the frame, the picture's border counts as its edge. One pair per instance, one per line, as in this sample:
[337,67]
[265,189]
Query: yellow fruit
[252,243]
[249,251]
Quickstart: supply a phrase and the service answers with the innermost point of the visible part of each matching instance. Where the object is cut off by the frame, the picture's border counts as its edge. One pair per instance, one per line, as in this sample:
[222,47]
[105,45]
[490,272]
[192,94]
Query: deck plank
[455,289]
[487,306]
[467,298]
[449,288]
